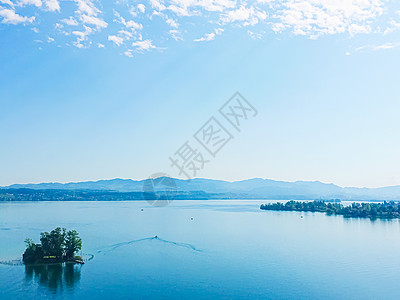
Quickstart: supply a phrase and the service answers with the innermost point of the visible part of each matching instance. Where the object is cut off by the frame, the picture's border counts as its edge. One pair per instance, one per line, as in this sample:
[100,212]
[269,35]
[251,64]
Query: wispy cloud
[52,5]
[137,22]
[318,17]
[128,53]
[82,36]
[116,39]
[254,35]
[210,36]
[176,35]
[37,3]
[385,46]
[246,15]
[11,17]
[70,21]
[145,45]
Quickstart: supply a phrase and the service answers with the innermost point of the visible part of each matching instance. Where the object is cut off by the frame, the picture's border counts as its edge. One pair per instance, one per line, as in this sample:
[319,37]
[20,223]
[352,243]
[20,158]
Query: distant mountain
[251,188]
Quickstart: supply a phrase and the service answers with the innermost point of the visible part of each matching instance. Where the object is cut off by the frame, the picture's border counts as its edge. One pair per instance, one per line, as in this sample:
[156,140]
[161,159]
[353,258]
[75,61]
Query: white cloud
[254,35]
[88,14]
[278,27]
[133,25]
[183,11]
[157,4]
[82,36]
[316,17]
[210,36]
[393,26]
[246,15]
[128,24]
[92,20]
[11,17]
[52,5]
[37,3]
[207,5]
[70,21]
[175,34]
[136,10]
[126,34]
[219,31]
[100,45]
[116,39]
[87,7]
[309,18]
[128,53]
[141,8]
[144,45]
[192,7]
[8,2]
[130,29]
[207,37]
[385,46]
[240,14]
[356,29]
[172,23]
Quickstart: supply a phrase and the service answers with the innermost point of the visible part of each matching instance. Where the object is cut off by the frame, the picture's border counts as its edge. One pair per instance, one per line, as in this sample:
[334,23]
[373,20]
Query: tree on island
[56,246]
[73,244]
[385,210]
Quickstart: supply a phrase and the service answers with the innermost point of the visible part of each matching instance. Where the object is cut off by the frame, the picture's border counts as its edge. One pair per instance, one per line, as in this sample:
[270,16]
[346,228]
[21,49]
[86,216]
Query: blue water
[230,250]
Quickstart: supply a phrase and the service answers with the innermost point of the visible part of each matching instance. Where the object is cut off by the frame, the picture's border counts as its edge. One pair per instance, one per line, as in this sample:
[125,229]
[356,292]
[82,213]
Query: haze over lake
[231,249]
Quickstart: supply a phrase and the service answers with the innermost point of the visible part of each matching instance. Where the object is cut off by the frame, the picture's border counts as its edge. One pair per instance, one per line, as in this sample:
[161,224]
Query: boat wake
[156,238]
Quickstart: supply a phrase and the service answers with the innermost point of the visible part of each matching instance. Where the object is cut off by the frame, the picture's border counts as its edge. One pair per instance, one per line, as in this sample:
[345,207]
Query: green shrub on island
[57,246]
[385,210]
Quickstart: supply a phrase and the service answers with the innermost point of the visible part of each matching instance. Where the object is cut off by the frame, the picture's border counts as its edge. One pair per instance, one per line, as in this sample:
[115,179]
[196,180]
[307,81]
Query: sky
[95,90]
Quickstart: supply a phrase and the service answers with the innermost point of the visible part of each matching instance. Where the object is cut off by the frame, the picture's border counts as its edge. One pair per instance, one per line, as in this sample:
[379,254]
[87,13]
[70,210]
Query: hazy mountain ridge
[256,187]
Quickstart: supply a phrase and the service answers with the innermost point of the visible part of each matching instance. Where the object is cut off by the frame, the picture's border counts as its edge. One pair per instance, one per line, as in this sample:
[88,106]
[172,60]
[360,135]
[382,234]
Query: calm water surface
[230,250]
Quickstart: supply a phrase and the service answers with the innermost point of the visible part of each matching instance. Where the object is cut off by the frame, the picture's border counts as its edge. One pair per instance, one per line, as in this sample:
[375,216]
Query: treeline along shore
[25,194]
[87,195]
[104,195]
[385,210]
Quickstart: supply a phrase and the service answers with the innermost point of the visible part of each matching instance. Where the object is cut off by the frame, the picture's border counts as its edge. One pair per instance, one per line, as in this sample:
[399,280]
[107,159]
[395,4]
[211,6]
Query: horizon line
[183,179]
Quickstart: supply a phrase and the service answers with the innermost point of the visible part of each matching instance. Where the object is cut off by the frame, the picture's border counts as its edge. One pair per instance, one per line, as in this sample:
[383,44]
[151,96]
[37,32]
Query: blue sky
[96,90]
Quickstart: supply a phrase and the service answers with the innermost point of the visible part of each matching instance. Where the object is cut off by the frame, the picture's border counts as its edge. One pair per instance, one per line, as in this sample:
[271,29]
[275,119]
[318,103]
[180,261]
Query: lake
[221,249]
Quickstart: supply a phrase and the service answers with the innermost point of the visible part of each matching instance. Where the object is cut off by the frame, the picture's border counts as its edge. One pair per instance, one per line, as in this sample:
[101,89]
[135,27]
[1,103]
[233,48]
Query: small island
[58,246]
[385,210]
